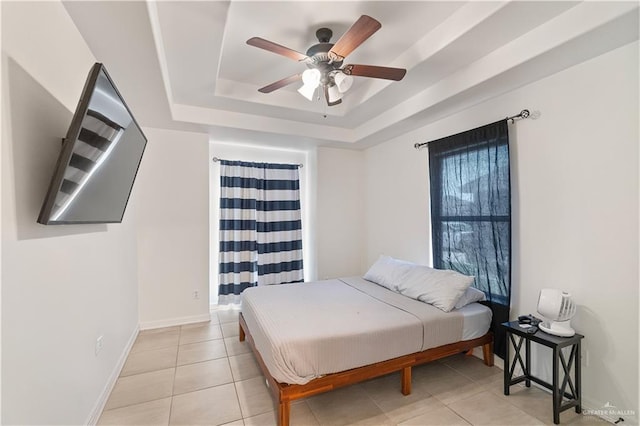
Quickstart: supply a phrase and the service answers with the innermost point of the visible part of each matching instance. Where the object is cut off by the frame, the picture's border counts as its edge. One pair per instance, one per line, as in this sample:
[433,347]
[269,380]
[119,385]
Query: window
[471,209]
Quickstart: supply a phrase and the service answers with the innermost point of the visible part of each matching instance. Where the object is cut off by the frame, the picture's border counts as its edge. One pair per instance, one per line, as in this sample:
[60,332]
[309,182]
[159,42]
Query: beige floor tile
[201,375]
[228,315]
[156,339]
[388,388]
[300,415]
[148,413]
[404,410]
[386,393]
[345,406]
[230,329]
[538,403]
[264,419]
[494,384]
[439,417]
[570,417]
[214,318]
[532,401]
[201,351]
[244,366]
[433,371]
[453,388]
[236,347]
[141,388]
[144,361]
[376,420]
[489,409]
[497,386]
[472,367]
[239,422]
[200,333]
[254,397]
[457,390]
[211,406]
[491,380]
[381,386]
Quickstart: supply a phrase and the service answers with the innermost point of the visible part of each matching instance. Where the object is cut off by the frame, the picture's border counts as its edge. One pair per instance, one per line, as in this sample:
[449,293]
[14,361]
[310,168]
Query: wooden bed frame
[285,393]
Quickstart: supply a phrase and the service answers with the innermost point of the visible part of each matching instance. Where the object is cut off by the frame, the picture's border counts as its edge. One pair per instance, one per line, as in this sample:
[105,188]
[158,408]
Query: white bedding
[304,331]
[477,319]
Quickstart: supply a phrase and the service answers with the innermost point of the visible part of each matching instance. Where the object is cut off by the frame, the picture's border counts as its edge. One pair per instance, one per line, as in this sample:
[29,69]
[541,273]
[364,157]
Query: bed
[314,337]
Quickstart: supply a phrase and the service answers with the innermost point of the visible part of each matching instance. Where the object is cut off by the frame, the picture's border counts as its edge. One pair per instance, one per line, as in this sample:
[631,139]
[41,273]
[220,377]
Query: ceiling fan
[325,62]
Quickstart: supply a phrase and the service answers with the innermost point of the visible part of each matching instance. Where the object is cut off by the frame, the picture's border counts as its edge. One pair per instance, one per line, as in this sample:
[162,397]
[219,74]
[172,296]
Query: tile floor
[200,374]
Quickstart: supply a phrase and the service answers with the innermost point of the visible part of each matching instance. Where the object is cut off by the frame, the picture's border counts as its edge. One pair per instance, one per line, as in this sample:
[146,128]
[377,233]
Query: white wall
[397,202]
[173,229]
[332,199]
[575,206]
[242,152]
[340,212]
[62,286]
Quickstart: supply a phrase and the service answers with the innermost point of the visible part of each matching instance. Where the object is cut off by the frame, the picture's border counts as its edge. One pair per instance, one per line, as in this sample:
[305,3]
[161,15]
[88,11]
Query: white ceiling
[186,65]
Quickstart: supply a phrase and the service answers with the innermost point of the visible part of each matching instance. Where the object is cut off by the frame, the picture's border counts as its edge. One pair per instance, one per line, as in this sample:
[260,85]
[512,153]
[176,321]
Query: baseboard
[150,325]
[111,382]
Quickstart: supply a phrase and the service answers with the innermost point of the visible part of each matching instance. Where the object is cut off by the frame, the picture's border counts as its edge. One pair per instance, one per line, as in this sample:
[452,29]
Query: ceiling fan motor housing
[319,55]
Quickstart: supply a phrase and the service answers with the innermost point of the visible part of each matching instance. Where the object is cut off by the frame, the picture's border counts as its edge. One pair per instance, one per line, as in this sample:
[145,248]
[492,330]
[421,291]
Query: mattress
[477,320]
[305,331]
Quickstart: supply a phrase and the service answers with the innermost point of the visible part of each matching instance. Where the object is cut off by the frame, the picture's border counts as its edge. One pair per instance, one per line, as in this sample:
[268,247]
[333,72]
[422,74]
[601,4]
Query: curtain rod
[216,159]
[525,113]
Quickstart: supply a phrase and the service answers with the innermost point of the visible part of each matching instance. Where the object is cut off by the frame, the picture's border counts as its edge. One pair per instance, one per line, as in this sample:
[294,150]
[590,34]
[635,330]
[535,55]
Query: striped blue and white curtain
[260,227]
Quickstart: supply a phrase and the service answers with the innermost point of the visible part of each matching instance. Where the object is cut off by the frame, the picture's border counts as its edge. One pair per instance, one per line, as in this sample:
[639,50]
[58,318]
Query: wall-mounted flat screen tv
[99,159]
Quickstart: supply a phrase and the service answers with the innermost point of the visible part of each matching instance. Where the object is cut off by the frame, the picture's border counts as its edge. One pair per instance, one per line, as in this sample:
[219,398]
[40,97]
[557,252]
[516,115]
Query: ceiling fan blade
[281,83]
[326,96]
[276,48]
[373,71]
[361,30]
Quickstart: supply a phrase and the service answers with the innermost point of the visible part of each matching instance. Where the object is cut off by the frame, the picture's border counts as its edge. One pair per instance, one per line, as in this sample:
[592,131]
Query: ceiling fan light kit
[325,62]
[311,77]
[308,90]
[343,81]
[334,94]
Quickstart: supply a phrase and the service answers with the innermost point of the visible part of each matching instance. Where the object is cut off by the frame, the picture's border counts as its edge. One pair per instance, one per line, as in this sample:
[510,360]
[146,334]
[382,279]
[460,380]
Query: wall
[340,212]
[332,199]
[62,286]
[575,206]
[397,202]
[173,229]
[243,152]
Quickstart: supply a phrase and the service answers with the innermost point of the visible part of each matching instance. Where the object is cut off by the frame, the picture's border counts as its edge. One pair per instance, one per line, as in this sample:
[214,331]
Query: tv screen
[99,159]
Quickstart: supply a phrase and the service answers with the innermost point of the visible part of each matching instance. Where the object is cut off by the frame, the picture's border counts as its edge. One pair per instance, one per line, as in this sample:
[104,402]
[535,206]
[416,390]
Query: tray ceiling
[186,65]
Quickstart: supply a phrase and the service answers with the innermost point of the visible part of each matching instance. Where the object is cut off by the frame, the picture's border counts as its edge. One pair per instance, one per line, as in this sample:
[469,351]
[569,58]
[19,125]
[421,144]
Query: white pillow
[440,288]
[471,295]
[387,272]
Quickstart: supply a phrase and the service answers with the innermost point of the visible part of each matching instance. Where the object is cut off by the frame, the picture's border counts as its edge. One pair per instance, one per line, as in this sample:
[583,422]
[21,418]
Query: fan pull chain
[324,106]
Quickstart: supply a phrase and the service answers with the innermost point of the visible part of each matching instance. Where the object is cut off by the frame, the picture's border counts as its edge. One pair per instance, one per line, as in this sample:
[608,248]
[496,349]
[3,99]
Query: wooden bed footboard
[285,393]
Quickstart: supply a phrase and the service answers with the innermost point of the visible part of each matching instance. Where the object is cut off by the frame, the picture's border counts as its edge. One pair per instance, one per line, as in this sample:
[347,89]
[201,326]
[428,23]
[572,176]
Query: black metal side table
[560,392]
